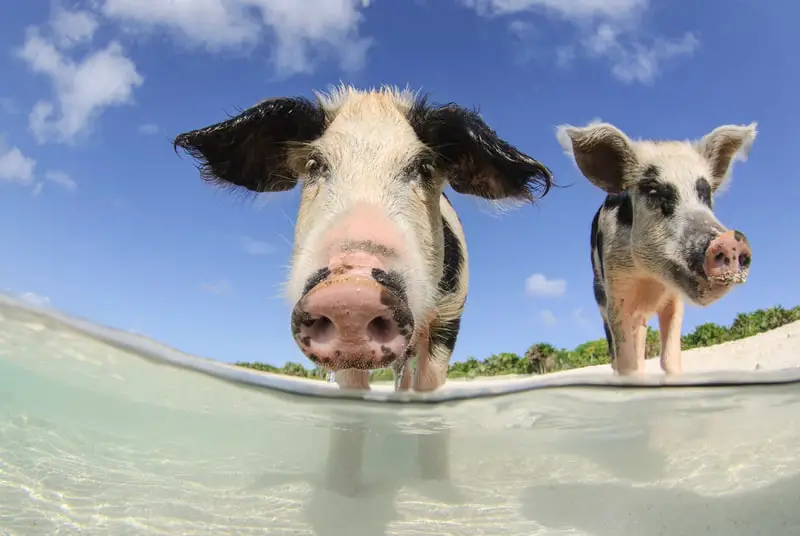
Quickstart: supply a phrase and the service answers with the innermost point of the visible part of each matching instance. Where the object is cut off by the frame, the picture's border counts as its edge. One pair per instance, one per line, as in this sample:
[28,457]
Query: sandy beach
[774,350]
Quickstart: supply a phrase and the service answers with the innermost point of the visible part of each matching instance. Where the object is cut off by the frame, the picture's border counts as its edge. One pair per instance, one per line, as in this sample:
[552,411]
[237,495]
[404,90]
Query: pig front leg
[433,355]
[625,335]
[670,319]
[640,340]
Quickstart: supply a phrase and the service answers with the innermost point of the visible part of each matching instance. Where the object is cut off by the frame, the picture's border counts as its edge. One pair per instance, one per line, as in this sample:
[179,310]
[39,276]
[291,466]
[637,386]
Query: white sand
[774,350]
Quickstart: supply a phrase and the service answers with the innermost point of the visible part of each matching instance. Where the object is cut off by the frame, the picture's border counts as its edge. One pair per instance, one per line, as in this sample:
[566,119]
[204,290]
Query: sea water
[104,433]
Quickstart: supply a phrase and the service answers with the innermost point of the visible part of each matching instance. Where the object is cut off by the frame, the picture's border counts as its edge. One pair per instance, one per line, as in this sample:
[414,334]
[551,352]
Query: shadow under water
[98,438]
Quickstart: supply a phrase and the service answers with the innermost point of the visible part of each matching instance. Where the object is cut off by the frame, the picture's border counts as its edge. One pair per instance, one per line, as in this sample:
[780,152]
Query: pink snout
[728,259]
[353,321]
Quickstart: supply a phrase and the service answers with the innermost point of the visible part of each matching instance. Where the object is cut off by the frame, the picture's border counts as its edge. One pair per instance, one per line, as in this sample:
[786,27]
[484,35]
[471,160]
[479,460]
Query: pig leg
[623,332]
[670,319]
[433,355]
[640,340]
[433,448]
[610,341]
[353,379]
[345,458]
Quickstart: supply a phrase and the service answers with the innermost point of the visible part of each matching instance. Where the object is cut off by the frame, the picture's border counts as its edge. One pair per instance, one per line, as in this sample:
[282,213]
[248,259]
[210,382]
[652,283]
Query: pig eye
[425,170]
[316,165]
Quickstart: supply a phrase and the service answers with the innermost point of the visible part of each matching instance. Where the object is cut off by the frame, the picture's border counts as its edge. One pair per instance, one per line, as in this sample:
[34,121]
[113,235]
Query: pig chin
[697,288]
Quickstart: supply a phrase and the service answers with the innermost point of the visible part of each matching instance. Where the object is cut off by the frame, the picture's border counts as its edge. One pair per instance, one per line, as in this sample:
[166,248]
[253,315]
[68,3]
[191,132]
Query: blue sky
[99,217]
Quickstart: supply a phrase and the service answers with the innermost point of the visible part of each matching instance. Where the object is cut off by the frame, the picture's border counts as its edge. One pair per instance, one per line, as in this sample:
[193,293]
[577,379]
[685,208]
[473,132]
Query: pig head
[379,265]
[655,240]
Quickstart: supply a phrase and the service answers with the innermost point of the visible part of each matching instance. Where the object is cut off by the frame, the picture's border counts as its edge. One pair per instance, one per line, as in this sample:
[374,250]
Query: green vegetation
[542,357]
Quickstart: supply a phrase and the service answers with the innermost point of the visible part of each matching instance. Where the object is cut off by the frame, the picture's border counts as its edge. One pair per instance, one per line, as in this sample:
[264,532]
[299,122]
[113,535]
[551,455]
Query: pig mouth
[703,290]
[700,289]
[354,321]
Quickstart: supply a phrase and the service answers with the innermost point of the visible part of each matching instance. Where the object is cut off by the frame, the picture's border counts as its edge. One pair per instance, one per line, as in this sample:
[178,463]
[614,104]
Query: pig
[379,269]
[655,241]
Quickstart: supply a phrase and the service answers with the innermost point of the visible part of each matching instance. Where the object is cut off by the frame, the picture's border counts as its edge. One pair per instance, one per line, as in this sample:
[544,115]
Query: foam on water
[102,434]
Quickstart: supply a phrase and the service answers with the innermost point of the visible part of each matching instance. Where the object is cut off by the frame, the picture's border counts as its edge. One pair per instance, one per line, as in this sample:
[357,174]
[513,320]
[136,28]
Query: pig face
[663,193]
[368,248]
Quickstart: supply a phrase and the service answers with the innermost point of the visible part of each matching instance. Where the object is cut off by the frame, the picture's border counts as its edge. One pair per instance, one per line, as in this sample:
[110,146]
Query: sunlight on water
[99,440]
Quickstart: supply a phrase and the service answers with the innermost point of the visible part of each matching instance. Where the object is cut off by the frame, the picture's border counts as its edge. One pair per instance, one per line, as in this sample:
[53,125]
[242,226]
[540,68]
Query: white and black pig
[655,241]
[379,265]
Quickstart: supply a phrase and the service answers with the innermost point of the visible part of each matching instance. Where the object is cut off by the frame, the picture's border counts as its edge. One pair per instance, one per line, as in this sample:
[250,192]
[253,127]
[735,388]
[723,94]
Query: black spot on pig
[391,281]
[597,243]
[446,334]
[599,293]
[739,236]
[453,259]
[703,189]
[624,208]
[659,195]
[611,353]
[387,354]
[300,318]
[318,277]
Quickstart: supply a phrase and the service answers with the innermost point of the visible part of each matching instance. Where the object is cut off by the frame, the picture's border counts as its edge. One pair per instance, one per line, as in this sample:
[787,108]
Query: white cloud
[35,299]
[637,62]
[300,32]
[549,318]
[568,9]
[83,88]
[148,129]
[15,167]
[255,247]
[608,29]
[62,179]
[37,189]
[72,27]
[220,286]
[540,285]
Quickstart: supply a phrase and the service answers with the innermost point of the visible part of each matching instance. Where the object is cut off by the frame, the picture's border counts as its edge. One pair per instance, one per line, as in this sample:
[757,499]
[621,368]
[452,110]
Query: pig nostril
[721,258]
[381,329]
[321,330]
[744,260]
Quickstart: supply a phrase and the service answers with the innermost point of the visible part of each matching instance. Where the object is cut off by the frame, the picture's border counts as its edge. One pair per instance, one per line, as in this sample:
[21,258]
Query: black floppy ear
[251,149]
[475,159]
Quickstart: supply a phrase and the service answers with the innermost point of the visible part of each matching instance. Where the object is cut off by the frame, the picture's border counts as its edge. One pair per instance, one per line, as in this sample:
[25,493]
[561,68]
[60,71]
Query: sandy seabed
[98,436]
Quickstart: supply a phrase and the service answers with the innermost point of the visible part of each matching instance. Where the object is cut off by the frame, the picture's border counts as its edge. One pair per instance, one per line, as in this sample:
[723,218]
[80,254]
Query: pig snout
[728,258]
[353,318]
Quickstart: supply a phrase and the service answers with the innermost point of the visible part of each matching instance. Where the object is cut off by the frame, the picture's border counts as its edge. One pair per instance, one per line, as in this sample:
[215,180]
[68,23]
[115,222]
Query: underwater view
[97,437]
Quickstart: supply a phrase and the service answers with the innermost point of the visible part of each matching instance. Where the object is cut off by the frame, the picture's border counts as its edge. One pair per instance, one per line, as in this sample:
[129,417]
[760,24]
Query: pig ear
[250,150]
[724,144]
[475,160]
[603,153]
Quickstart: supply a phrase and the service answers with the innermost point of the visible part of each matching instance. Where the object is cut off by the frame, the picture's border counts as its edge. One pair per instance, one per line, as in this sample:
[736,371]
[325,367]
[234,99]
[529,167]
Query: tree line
[542,358]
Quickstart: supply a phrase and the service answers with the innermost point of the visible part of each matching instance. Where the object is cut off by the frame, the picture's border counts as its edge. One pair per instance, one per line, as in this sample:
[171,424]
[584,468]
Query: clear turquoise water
[100,440]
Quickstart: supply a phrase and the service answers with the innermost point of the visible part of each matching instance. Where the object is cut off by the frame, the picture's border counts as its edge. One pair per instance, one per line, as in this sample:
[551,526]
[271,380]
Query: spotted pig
[379,265]
[655,241]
